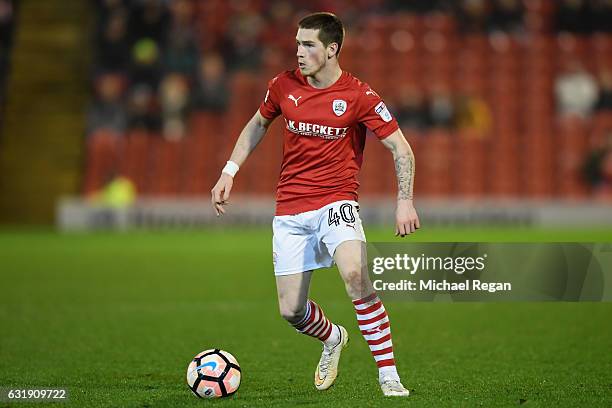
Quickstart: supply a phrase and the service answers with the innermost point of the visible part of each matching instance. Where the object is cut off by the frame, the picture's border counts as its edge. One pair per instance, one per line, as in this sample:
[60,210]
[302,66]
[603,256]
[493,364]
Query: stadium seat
[407,21]
[601,46]
[601,127]
[441,22]
[102,160]
[134,162]
[538,15]
[166,160]
[469,164]
[435,164]
[196,162]
[503,170]
[573,145]
[373,181]
[538,160]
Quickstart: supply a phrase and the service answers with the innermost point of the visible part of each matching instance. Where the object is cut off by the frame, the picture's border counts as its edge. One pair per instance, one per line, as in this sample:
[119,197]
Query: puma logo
[371,92]
[294,100]
[371,332]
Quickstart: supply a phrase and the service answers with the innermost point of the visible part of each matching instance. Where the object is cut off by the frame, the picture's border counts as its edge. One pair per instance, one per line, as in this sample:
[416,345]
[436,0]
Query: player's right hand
[221,192]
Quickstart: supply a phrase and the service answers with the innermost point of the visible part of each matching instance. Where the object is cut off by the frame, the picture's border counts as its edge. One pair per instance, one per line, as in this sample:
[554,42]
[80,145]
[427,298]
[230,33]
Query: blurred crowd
[150,70]
[6,33]
[158,61]
[577,16]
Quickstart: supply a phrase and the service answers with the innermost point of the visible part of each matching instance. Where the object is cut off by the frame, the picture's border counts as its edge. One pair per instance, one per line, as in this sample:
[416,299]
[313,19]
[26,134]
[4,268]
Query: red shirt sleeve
[373,113]
[270,107]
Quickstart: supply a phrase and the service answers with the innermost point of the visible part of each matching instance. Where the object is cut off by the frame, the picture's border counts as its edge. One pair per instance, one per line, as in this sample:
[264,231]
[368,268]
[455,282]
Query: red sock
[375,327]
[314,323]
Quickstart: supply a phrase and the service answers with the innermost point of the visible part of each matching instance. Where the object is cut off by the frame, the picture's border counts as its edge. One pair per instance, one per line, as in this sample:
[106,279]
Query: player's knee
[292,313]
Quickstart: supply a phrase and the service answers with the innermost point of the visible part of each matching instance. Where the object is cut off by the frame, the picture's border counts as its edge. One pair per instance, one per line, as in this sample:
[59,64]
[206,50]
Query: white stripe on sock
[381,346]
[374,324]
[388,356]
[371,314]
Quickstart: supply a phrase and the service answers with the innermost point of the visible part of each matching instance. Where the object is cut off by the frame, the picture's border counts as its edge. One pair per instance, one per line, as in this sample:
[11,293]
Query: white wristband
[230,168]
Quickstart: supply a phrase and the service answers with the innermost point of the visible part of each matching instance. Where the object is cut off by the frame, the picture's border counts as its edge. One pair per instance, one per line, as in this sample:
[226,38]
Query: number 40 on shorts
[345,211]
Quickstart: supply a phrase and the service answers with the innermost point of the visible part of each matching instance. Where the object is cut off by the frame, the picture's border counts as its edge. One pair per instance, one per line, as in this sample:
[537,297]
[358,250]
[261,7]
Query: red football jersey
[324,137]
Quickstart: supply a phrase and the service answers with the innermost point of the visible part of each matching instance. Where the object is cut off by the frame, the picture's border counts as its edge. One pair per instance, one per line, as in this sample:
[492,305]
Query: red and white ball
[213,373]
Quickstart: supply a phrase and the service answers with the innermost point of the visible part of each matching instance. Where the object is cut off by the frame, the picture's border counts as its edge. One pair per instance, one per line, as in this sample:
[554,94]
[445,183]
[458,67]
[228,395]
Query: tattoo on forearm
[404,168]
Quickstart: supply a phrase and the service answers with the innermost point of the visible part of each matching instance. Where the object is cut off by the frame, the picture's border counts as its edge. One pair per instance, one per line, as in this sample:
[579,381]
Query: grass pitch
[115,319]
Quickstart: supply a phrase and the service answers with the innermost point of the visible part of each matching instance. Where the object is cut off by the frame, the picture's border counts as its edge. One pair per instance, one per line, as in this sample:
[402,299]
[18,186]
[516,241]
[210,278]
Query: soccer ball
[213,374]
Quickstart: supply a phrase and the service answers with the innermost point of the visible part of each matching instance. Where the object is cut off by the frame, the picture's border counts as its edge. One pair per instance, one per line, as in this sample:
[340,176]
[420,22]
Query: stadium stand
[490,80]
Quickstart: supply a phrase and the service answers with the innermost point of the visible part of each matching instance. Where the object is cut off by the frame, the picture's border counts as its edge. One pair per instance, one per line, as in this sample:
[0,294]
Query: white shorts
[308,240]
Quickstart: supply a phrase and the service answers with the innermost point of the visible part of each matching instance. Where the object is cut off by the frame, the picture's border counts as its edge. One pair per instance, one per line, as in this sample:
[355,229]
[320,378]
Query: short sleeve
[375,115]
[270,107]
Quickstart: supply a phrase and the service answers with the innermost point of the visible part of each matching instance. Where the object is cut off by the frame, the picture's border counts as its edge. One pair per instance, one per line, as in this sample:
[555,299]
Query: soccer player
[326,113]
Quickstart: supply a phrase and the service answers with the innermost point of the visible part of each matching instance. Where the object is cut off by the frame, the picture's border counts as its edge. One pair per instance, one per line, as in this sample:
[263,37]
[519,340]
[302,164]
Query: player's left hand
[406,218]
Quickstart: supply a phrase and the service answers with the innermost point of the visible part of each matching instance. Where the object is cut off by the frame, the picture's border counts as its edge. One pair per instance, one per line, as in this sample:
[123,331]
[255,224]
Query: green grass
[116,318]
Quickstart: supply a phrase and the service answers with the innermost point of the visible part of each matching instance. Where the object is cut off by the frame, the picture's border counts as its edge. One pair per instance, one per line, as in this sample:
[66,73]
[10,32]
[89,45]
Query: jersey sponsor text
[314,129]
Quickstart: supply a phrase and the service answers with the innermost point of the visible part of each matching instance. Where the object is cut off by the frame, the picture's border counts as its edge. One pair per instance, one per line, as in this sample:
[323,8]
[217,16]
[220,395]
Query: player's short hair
[329,25]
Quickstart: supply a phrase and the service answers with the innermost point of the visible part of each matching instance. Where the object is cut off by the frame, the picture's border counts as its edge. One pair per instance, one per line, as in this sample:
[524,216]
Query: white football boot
[327,369]
[392,387]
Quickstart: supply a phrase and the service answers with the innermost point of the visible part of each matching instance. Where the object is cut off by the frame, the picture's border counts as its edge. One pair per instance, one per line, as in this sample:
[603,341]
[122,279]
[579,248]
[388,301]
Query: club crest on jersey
[339,107]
